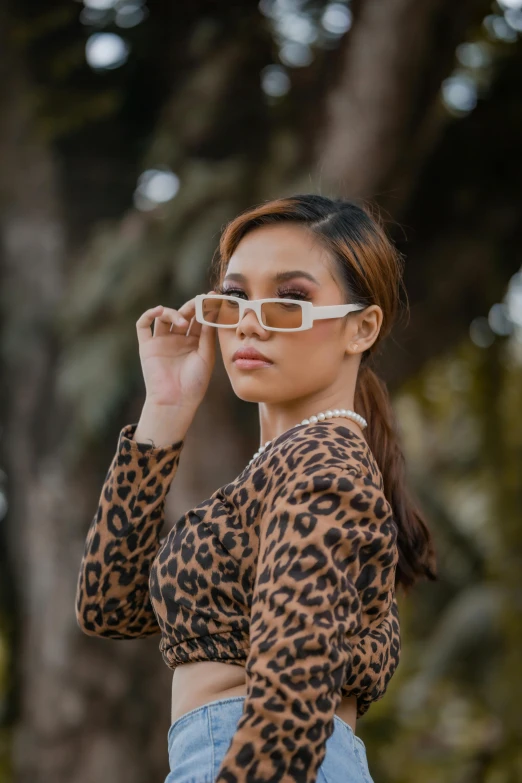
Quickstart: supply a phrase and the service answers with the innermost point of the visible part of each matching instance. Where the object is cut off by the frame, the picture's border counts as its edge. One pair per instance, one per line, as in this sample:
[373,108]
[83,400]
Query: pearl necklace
[344,412]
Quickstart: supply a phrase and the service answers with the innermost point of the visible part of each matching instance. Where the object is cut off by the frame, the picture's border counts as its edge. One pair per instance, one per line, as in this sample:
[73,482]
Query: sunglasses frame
[311,313]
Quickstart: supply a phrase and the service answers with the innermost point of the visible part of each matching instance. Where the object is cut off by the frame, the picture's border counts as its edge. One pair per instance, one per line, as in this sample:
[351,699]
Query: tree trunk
[83,709]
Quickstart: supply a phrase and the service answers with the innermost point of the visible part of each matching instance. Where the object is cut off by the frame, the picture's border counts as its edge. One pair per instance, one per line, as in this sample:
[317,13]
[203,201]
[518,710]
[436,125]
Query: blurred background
[130,132]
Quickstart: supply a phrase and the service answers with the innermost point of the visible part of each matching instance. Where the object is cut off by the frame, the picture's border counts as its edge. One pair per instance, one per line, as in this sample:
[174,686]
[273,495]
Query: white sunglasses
[276,315]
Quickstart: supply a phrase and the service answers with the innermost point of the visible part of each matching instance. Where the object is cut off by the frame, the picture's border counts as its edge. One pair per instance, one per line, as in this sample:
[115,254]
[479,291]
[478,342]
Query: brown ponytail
[416,550]
[370,268]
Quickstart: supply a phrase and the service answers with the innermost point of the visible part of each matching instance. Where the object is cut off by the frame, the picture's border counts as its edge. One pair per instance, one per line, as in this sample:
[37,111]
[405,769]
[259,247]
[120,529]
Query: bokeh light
[296,55]
[499,30]
[510,4]
[475,54]
[100,5]
[459,92]
[514,299]
[275,81]
[336,18]
[499,320]
[155,186]
[480,332]
[296,27]
[130,14]
[514,18]
[105,51]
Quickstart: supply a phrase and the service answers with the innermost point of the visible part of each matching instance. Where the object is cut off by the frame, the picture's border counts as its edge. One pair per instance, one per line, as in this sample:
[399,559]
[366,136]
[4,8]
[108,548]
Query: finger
[189,308]
[145,321]
[189,311]
[167,320]
[184,328]
[207,343]
[191,329]
[170,321]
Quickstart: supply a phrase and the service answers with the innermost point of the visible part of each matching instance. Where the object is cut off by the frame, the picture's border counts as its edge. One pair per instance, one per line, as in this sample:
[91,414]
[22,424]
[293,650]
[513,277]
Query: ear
[364,329]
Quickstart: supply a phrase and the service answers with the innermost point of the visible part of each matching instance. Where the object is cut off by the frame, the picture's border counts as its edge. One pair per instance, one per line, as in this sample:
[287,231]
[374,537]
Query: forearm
[123,539]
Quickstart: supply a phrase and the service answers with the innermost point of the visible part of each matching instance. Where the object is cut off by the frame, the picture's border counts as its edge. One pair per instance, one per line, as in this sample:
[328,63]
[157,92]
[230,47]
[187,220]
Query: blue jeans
[199,739]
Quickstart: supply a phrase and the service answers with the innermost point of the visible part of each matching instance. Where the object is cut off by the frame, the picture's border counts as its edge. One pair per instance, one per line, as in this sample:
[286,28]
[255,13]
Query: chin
[250,398]
[246,389]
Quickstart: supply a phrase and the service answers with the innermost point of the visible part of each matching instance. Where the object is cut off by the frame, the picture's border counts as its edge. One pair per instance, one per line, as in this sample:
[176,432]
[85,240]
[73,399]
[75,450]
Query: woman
[275,598]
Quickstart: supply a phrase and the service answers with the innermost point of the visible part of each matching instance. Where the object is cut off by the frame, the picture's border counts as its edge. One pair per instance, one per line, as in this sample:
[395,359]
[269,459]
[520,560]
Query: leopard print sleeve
[112,597]
[321,544]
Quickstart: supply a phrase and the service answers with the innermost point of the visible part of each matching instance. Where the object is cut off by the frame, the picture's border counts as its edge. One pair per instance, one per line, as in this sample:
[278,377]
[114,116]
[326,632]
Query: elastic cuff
[127,442]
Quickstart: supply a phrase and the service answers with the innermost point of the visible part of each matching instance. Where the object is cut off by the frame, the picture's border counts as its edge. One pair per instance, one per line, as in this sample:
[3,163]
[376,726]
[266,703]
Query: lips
[250,353]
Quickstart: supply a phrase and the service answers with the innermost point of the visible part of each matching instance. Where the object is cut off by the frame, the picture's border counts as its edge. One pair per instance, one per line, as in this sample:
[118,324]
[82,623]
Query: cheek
[225,341]
[324,332]
[318,346]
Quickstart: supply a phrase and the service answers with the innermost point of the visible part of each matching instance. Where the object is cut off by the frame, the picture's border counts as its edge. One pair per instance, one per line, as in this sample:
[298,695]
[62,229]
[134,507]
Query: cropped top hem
[233,647]
[224,646]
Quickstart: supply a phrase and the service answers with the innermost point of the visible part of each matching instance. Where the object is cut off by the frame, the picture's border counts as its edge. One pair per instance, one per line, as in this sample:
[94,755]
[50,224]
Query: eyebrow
[278,277]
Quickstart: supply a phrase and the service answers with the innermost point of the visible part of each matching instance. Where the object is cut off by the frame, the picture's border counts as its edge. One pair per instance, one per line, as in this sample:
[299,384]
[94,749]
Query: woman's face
[303,363]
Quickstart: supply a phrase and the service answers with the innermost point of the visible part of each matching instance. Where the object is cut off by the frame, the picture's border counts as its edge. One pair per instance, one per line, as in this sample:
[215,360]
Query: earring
[354,345]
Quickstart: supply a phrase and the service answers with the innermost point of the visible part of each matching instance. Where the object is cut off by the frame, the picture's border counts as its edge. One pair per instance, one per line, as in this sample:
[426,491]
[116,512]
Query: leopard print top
[288,570]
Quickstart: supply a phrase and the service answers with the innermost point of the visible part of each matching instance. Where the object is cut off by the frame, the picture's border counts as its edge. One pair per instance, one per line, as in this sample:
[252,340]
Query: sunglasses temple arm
[190,326]
[333,311]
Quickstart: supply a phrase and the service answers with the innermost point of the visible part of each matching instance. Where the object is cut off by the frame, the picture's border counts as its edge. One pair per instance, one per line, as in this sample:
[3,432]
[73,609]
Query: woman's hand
[176,368]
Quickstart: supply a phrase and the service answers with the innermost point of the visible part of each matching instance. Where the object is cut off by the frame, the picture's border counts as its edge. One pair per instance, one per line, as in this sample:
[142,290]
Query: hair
[370,268]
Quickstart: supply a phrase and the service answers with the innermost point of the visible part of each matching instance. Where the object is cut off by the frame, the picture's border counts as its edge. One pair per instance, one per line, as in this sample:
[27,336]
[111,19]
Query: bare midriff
[198,683]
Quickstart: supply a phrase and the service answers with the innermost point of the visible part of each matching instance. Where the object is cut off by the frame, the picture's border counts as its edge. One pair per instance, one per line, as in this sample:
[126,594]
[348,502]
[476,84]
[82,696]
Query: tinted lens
[279,315]
[220,311]
[282,315]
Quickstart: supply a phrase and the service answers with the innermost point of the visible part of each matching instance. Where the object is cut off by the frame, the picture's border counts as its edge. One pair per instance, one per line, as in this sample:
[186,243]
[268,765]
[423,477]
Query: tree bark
[383,117]
[82,711]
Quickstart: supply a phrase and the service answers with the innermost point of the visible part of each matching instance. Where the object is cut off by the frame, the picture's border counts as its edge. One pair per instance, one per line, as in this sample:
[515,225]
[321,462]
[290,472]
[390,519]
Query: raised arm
[320,547]
[112,597]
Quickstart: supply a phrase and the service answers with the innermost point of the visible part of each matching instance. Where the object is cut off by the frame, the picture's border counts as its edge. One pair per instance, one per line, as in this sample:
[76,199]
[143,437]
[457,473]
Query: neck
[274,420]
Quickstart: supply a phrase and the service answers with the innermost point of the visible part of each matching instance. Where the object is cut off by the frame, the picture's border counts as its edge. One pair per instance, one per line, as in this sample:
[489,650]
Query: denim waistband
[192,713]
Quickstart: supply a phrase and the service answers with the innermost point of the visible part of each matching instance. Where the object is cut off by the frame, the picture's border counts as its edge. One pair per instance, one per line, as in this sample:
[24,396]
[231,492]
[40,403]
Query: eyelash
[284,292]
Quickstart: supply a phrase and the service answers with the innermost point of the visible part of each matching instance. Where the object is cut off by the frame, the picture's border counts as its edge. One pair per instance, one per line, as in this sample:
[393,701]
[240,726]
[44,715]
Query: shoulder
[325,475]
[314,454]
[327,444]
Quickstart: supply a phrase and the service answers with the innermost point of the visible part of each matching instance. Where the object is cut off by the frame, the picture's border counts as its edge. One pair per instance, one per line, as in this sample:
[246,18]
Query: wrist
[163,425]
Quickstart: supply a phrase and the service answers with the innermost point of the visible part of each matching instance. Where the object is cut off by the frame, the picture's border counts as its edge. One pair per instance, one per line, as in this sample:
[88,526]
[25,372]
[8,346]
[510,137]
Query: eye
[228,291]
[289,293]
[284,293]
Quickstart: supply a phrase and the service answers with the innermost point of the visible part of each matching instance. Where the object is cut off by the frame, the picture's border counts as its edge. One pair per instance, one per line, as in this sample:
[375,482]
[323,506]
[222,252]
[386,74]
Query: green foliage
[453,713]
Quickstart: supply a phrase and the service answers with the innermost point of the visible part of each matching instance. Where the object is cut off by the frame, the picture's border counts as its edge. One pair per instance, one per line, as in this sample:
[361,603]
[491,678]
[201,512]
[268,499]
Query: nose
[249,310]
[252,319]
